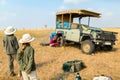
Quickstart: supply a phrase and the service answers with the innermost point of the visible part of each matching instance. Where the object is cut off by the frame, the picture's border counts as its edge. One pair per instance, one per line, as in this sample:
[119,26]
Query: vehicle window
[84,20]
[76,20]
[75,23]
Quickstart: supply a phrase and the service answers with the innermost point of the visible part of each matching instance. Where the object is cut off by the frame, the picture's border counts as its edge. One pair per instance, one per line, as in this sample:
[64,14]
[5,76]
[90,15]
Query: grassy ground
[49,60]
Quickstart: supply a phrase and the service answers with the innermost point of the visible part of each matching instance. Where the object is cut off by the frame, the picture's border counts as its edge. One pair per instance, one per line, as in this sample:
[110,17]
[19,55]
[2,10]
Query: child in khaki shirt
[26,58]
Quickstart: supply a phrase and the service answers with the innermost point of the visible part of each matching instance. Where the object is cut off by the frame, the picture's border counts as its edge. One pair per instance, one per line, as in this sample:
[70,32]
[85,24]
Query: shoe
[12,74]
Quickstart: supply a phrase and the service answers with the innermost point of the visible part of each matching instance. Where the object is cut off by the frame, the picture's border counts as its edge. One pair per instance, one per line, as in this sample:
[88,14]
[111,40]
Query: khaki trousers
[11,58]
[30,76]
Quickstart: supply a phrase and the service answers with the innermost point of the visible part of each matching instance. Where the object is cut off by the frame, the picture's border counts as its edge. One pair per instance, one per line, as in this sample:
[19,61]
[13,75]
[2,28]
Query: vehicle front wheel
[87,47]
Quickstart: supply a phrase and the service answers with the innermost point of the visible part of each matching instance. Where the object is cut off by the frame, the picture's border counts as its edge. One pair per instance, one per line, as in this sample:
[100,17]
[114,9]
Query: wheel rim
[86,47]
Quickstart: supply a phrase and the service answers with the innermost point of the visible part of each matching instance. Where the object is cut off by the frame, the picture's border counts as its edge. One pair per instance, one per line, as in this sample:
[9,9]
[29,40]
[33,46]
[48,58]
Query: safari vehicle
[88,37]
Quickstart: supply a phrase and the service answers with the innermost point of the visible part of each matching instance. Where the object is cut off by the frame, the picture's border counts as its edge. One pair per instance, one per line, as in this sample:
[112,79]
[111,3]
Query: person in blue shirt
[52,35]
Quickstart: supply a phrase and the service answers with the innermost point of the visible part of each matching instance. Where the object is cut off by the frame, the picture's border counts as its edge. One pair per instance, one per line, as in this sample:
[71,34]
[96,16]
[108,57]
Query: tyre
[61,41]
[88,47]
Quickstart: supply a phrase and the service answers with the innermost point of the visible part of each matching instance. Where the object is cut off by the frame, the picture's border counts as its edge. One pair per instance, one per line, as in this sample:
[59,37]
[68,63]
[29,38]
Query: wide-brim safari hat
[10,30]
[26,38]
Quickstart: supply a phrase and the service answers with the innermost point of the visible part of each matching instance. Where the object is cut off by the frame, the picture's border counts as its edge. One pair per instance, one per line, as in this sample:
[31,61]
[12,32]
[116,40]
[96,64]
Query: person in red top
[53,41]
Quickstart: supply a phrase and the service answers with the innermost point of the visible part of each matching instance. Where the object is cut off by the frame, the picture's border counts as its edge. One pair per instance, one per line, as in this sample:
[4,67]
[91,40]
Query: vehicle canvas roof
[82,12]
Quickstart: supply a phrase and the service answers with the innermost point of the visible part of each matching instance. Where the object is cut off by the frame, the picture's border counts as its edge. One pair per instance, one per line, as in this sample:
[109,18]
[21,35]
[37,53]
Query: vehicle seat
[74,25]
[59,25]
[66,25]
[84,27]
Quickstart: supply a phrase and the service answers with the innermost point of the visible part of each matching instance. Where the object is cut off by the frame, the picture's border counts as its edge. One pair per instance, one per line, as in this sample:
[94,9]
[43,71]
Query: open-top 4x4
[88,37]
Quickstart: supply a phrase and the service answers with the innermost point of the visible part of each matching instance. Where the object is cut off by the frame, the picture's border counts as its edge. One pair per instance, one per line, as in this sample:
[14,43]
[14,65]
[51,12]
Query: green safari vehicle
[70,27]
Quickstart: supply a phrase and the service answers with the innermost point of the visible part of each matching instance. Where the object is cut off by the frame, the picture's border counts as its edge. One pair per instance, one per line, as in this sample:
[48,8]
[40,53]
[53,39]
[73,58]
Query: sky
[38,13]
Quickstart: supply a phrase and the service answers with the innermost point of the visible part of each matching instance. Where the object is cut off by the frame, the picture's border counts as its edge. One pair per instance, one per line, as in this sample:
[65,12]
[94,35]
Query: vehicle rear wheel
[62,41]
[87,47]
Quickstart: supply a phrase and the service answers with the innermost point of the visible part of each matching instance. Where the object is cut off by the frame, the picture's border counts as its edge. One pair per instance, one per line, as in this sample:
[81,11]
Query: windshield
[94,28]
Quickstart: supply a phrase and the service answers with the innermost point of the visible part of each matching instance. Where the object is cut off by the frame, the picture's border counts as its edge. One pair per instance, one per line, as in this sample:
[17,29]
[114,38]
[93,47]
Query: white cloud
[3,18]
[3,2]
[13,14]
[74,1]
[52,13]
[109,14]
[91,9]
[105,13]
[7,15]
[62,7]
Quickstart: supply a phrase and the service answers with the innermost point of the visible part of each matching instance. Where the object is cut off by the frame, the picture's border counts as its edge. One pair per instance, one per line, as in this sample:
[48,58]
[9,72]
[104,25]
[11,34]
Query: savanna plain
[49,60]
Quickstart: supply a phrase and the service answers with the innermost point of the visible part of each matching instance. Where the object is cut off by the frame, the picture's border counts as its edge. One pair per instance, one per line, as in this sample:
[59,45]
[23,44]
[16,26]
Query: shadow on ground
[97,49]
[45,63]
[61,76]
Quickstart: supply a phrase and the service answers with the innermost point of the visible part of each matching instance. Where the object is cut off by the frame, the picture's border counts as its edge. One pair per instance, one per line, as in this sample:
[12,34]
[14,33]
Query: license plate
[107,43]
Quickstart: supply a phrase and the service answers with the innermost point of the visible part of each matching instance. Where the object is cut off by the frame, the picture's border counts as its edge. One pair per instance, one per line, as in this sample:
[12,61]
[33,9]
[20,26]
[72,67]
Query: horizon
[42,28]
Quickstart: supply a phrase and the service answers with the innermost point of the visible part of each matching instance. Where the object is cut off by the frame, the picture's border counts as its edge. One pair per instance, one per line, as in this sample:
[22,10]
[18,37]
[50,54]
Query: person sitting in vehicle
[53,41]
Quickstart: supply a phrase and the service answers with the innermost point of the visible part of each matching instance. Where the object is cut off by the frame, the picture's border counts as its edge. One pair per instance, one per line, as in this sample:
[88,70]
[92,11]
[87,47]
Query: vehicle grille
[108,36]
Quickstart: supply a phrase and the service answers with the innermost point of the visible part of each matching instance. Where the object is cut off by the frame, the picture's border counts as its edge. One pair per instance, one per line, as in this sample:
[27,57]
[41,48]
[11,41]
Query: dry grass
[49,60]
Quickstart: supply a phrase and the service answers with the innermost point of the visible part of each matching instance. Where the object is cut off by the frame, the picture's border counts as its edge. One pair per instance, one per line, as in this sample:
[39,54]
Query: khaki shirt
[26,60]
[11,44]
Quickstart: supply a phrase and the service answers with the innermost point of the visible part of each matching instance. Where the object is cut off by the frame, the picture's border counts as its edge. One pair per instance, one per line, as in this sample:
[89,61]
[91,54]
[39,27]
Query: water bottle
[78,77]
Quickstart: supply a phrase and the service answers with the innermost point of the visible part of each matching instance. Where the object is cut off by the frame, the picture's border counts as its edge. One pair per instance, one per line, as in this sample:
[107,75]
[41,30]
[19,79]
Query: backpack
[73,66]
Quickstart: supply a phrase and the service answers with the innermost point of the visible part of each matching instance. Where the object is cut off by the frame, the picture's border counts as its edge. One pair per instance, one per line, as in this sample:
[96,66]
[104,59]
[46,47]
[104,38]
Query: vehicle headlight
[98,36]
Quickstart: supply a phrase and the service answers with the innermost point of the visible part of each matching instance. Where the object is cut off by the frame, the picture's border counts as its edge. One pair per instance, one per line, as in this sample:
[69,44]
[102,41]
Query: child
[11,45]
[26,58]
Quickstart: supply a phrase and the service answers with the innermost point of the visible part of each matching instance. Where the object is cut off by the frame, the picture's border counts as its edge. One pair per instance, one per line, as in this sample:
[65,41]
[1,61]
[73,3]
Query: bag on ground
[73,66]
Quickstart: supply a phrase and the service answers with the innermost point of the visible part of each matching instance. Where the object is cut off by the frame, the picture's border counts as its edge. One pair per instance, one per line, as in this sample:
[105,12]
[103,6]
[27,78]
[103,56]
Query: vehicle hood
[99,30]
[95,29]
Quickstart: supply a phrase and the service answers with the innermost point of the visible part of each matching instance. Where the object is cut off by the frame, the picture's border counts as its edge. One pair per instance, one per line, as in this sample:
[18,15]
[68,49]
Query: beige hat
[9,30]
[26,38]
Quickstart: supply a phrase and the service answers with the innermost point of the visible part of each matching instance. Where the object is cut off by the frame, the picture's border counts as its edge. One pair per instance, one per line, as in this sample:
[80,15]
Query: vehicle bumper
[103,43]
